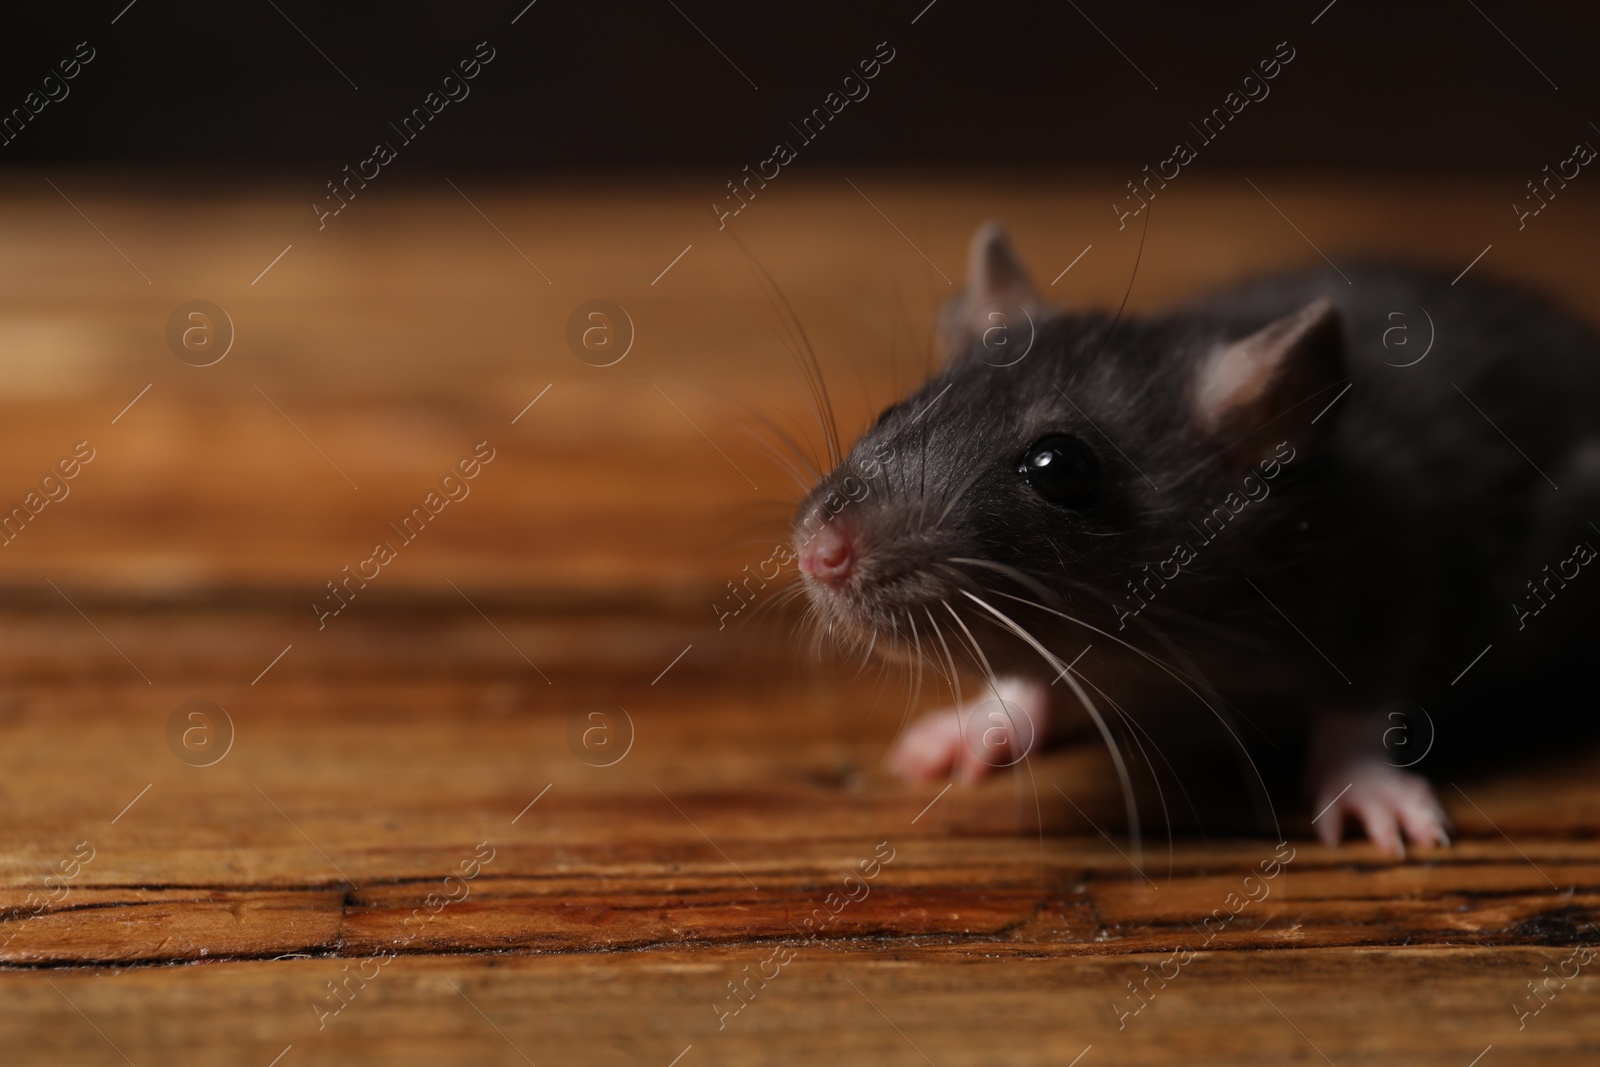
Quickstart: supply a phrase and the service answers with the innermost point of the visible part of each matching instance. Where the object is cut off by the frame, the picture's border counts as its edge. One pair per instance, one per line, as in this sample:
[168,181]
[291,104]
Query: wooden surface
[380,753]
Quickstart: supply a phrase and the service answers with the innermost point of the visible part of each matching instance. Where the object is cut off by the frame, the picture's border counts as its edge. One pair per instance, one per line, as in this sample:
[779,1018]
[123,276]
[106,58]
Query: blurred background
[382,326]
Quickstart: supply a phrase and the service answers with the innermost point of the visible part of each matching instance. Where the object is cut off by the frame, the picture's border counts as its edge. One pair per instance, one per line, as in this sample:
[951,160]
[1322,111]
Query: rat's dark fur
[1394,542]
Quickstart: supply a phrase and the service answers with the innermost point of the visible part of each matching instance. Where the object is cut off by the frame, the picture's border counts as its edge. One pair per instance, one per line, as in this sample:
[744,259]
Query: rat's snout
[830,555]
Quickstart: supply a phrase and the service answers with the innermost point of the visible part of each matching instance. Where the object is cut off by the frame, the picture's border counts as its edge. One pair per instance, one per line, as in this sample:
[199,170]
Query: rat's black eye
[1061,469]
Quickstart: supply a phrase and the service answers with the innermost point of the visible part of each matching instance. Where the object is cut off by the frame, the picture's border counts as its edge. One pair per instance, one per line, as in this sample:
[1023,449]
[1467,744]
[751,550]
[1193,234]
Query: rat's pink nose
[830,555]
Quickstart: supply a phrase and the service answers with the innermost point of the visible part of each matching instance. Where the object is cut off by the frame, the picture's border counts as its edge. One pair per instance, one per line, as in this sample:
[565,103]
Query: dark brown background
[589,86]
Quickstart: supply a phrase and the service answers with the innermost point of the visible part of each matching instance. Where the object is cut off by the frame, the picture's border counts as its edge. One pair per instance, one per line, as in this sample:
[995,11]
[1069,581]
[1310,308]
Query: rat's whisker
[1161,797]
[1181,680]
[1038,811]
[824,633]
[1129,799]
[866,657]
[1010,572]
[1207,627]
[988,672]
[918,667]
[808,619]
[926,659]
[883,682]
[782,598]
[1160,794]
[782,595]
[962,713]
[955,675]
[783,461]
[1182,662]
[804,354]
[1117,318]
[807,455]
[1177,780]
[1226,713]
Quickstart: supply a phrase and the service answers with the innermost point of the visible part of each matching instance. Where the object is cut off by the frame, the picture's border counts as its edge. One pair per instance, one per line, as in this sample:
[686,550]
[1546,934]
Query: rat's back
[1469,453]
[1418,345]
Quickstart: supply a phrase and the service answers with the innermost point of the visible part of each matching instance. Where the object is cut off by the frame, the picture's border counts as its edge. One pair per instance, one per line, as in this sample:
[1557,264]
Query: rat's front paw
[1384,800]
[970,741]
[929,748]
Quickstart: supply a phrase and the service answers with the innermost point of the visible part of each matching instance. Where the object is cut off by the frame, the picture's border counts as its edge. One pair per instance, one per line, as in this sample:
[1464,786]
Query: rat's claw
[1329,824]
[1386,801]
[1383,829]
[1425,821]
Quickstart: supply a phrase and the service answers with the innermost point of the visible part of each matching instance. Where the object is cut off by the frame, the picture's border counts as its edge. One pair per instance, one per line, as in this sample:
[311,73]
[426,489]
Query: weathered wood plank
[345,804]
[1432,1006]
[386,752]
[920,906]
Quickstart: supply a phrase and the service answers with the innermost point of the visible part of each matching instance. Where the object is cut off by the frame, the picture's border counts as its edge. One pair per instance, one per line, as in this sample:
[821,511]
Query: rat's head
[1054,460]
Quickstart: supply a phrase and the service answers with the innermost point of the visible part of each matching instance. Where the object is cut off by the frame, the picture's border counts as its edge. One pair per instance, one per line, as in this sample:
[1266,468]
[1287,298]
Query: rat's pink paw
[930,748]
[1392,805]
[974,739]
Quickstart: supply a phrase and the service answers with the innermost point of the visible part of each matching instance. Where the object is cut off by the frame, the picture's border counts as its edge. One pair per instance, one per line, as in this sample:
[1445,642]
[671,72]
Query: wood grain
[1430,1006]
[432,720]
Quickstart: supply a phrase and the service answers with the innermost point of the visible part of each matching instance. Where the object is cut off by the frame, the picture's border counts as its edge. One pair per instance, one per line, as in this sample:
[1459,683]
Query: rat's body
[1267,493]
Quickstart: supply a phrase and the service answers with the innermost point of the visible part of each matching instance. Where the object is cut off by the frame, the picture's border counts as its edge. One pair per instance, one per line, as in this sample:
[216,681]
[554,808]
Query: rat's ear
[1262,388]
[996,281]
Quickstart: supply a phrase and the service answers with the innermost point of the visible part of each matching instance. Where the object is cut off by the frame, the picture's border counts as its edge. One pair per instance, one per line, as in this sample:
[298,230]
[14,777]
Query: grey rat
[1252,507]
